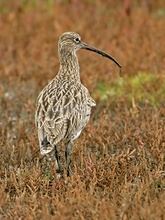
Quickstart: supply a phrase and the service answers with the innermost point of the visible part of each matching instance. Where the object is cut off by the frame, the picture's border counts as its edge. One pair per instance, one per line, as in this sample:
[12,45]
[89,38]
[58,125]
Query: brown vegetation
[119,160]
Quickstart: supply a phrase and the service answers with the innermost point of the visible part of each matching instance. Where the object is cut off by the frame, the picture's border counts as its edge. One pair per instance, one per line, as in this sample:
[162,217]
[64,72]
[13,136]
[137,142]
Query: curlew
[63,107]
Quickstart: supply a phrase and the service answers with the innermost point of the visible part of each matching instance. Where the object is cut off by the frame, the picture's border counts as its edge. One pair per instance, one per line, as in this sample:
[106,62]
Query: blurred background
[131,31]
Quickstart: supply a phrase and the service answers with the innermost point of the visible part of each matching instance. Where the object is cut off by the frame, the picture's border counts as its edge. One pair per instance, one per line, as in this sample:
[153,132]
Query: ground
[118,162]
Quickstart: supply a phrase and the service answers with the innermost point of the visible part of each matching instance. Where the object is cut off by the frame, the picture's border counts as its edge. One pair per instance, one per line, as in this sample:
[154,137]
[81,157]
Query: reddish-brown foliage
[119,160]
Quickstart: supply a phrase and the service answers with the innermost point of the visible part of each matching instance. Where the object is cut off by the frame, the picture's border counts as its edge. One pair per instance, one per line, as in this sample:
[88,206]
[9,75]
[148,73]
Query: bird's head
[70,42]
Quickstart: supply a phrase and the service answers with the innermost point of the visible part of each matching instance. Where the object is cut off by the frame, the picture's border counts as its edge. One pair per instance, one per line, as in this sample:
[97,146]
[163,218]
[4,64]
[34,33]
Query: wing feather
[61,113]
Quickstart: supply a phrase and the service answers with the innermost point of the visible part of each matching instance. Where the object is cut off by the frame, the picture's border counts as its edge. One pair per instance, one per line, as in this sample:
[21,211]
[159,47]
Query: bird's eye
[77,40]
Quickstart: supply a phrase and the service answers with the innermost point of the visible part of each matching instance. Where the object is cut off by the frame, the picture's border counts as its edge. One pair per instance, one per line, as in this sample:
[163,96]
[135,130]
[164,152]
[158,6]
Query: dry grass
[119,160]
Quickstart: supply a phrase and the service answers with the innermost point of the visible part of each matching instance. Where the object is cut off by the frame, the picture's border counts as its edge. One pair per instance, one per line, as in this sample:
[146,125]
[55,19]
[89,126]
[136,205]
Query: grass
[136,87]
[118,162]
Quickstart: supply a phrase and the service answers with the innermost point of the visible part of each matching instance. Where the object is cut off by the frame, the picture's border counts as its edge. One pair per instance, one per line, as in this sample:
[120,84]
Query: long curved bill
[88,47]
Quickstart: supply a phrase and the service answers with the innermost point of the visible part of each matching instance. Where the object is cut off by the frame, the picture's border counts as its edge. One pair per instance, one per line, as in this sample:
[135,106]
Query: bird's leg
[57,155]
[68,160]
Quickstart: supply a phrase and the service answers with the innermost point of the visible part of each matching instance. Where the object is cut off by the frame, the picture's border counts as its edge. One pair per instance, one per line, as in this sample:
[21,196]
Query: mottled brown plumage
[64,105]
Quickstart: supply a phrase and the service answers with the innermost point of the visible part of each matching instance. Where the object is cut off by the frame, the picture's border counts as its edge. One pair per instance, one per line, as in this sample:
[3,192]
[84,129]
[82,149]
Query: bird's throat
[69,67]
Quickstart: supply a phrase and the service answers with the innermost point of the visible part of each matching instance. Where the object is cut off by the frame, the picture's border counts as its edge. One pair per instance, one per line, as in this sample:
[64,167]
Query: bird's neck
[69,67]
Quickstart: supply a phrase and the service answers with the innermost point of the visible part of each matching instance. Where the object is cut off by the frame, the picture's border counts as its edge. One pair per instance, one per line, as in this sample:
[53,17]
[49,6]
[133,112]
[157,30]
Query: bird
[63,107]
